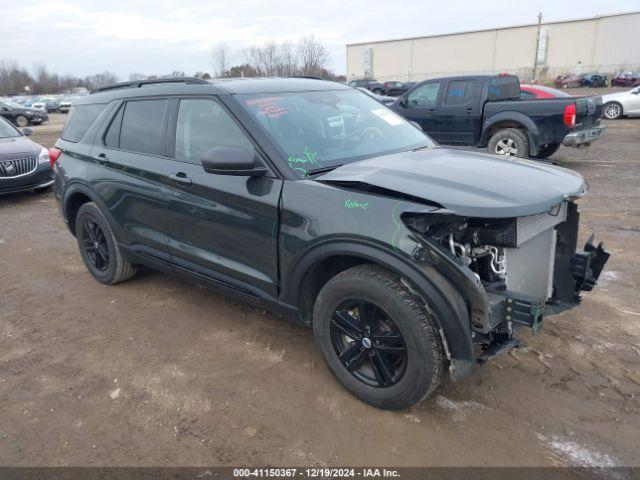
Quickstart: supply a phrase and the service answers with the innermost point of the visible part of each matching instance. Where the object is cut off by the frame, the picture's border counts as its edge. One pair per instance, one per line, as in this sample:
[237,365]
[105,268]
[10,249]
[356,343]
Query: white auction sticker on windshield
[388,116]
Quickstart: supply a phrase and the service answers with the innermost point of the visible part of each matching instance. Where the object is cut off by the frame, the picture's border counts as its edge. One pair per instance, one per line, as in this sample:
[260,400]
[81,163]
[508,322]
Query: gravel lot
[158,371]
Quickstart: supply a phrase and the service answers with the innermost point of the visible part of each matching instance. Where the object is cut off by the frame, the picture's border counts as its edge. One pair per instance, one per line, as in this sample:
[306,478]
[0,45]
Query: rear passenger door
[223,227]
[459,115]
[132,150]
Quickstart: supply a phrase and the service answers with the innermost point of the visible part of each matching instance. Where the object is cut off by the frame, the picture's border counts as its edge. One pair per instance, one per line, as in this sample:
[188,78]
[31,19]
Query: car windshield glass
[7,130]
[11,104]
[321,129]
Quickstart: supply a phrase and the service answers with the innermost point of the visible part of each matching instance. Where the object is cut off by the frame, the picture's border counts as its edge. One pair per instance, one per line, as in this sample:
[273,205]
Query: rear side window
[460,92]
[504,87]
[142,123]
[80,119]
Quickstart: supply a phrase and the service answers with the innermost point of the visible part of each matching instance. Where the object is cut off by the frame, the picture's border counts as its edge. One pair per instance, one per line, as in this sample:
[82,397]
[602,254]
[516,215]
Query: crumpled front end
[528,267]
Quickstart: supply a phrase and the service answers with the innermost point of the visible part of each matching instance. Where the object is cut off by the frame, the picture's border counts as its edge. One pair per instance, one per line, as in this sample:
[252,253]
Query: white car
[617,105]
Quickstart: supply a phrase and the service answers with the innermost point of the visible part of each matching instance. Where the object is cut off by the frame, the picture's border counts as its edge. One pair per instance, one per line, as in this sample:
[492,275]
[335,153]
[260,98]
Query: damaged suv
[313,200]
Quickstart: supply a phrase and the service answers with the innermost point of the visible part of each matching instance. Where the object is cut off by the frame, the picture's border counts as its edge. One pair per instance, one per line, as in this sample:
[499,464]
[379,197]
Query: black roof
[230,86]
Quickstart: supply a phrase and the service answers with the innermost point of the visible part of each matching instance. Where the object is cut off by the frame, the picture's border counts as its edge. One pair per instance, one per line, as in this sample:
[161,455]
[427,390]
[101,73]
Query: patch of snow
[607,277]
[460,408]
[577,455]
[115,394]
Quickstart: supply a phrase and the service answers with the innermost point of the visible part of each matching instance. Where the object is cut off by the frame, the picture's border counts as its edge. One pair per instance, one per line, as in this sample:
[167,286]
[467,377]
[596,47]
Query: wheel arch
[504,120]
[76,195]
[323,262]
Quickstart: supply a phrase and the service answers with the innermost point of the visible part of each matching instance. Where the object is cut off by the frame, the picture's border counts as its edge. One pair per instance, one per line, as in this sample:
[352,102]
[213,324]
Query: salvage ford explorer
[311,199]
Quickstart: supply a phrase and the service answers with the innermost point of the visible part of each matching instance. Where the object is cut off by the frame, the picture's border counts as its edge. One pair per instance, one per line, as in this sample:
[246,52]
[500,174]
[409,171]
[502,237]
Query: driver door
[223,227]
[420,106]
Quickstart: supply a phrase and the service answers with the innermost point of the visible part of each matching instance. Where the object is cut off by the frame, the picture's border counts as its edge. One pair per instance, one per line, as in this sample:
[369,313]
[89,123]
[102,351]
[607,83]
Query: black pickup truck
[486,111]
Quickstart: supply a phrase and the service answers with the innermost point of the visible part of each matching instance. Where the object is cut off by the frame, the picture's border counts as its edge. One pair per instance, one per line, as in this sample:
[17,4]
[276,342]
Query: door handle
[101,158]
[470,109]
[180,177]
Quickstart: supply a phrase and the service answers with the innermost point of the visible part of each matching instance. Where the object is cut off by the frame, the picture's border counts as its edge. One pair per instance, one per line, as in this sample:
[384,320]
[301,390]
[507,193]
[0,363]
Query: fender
[513,117]
[78,186]
[454,321]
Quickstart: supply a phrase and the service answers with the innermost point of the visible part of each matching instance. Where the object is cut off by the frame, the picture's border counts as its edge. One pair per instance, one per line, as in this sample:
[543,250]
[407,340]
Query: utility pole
[535,57]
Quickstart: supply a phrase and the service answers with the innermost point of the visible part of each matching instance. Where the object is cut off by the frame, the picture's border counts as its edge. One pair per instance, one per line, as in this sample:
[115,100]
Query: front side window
[424,96]
[204,124]
[321,129]
[141,129]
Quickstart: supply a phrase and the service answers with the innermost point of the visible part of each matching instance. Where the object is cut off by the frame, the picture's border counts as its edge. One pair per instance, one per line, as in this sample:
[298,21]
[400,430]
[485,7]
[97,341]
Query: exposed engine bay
[527,265]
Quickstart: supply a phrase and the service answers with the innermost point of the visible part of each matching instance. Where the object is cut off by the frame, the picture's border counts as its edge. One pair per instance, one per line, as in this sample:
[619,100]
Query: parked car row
[22,115]
[49,103]
[389,89]
[597,80]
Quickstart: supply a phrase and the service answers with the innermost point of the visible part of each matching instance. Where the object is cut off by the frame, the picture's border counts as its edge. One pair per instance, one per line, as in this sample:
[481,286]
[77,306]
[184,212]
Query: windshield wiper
[323,169]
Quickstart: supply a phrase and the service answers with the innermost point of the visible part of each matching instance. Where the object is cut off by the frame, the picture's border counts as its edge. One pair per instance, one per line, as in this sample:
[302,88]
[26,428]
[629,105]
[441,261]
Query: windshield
[11,104]
[7,130]
[318,130]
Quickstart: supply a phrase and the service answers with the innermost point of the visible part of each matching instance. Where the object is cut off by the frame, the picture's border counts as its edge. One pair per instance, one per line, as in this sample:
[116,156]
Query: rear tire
[612,111]
[547,150]
[399,358]
[99,248]
[510,142]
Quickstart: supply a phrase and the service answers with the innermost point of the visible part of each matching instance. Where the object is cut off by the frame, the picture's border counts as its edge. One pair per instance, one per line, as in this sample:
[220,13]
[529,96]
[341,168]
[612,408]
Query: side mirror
[403,102]
[27,131]
[232,161]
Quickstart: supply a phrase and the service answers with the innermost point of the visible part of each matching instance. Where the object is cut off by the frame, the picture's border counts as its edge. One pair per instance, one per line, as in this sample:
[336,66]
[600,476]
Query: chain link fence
[545,75]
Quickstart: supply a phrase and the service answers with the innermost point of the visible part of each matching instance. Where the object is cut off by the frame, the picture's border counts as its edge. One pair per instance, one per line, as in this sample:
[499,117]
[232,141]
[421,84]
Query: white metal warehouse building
[606,44]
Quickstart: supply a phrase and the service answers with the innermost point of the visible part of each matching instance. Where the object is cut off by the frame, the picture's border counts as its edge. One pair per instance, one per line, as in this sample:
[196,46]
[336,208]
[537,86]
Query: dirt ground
[158,371]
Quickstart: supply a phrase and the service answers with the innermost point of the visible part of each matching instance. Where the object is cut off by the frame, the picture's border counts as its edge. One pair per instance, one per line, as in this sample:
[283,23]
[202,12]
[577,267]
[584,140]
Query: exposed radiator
[532,225]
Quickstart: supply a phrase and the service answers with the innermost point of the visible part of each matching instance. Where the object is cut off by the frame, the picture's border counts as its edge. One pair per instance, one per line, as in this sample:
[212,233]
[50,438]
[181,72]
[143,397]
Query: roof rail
[151,81]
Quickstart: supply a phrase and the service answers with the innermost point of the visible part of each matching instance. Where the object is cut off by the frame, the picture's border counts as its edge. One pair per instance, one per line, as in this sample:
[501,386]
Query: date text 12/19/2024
[315,473]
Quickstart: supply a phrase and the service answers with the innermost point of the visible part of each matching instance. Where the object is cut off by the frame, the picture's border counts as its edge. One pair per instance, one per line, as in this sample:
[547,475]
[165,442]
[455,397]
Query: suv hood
[466,183]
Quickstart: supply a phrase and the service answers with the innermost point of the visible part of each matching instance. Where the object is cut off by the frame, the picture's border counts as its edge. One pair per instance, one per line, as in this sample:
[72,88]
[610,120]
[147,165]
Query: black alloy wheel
[368,343]
[99,248]
[95,245]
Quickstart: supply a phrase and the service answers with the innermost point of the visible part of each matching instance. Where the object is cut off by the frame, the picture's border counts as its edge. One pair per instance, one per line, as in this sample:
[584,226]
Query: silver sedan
[617,105]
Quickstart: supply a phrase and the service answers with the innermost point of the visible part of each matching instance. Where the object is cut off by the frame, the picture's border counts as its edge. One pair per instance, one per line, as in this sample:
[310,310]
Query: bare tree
[100,79]
[313,56]
[220,57]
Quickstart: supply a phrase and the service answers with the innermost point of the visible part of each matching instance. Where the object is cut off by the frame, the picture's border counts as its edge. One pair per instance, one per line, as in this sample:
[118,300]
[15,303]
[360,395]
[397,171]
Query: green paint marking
[394,237]
[298,169]
[311,156]
[350,204]
[308,157]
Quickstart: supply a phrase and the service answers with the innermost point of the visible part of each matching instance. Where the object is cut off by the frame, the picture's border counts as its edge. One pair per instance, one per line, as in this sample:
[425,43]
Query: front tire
[99,248]
[612,111]
[509,142]
[378,340]
[22,121]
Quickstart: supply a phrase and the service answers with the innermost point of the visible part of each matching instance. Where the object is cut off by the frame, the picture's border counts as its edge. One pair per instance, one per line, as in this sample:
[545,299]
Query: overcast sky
[159,36]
